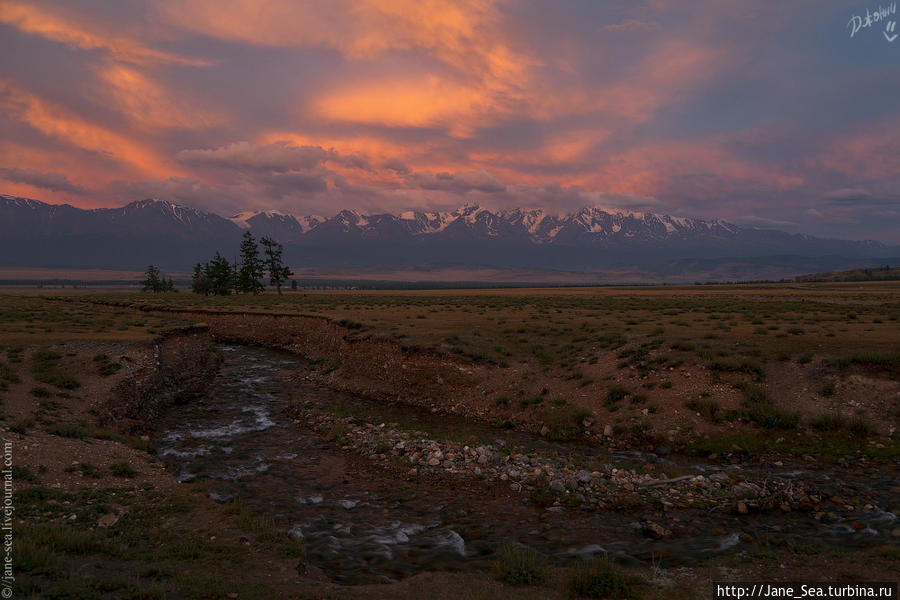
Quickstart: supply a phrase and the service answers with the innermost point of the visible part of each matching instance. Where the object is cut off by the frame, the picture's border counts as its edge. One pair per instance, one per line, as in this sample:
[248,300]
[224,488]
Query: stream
[360,525]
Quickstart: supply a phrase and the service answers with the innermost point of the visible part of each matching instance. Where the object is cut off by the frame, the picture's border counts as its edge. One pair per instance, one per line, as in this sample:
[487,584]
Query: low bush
[762,412]
[520,566]
[601,579]
[564,422]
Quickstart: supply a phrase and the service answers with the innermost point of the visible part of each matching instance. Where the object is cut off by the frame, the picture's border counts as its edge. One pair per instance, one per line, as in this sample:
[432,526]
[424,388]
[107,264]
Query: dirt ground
[103,484]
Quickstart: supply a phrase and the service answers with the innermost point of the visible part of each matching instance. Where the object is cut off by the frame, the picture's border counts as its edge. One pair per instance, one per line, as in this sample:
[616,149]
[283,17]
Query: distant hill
[885,273]
[610,246]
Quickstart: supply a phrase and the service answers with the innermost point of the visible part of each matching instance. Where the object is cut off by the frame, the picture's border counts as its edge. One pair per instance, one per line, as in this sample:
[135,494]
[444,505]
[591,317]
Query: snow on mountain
[241,219]
[589,238]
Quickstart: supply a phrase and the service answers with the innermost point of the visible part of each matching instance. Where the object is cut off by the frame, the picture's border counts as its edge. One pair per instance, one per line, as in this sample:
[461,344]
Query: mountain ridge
[591,239]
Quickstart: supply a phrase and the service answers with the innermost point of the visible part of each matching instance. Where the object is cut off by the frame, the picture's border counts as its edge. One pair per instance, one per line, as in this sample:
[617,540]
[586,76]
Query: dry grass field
[816,358]
[774,370]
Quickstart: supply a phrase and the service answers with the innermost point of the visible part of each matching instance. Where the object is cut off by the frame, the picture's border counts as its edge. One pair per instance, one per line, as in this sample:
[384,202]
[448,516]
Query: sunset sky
[761,113]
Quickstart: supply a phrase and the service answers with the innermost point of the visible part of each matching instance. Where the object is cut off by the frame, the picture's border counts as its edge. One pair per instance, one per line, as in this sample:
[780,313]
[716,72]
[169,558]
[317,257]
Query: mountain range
[36,234]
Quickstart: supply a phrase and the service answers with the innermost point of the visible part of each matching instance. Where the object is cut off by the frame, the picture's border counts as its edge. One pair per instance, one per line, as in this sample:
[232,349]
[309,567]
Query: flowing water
[359,525]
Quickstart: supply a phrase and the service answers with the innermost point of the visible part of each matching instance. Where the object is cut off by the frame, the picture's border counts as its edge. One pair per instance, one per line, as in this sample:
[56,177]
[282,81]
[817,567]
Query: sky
[765,114]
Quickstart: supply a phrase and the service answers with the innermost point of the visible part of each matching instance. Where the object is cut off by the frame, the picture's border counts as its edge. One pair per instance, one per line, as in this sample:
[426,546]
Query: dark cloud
[279,157]
[633,26]
[763,222]
[859,197]
[396,165]
[280,185]
[56,182]
[354,161]
[481,181]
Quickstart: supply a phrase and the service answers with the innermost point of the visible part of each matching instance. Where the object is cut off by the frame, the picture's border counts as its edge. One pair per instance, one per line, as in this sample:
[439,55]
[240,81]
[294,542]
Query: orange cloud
[431,102]
[423,156]
[651,168]
[34,21]
[359,29]
[485,72]
[870,153]
[57,122]
[147,104]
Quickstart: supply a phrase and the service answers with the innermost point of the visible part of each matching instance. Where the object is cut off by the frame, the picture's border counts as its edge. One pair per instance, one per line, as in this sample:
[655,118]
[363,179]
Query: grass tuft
[520,566]
[762,412]
[46,369]
[564,421]
[601,579]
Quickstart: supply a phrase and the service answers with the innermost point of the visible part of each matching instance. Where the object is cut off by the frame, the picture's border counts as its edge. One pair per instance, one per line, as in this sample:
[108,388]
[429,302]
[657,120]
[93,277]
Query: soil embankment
[374,368]
[180,369]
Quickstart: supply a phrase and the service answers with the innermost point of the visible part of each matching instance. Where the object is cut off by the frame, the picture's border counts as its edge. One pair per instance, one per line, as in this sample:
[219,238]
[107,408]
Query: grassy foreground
[803,370]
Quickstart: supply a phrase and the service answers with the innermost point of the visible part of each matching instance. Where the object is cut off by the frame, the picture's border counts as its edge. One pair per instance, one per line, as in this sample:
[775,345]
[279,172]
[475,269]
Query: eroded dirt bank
[179,368]
[673,408]
[374,368]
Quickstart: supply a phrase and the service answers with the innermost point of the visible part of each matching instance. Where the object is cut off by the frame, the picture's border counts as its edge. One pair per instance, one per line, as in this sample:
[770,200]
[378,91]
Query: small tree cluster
[220,278]
[155,282]
[214,277]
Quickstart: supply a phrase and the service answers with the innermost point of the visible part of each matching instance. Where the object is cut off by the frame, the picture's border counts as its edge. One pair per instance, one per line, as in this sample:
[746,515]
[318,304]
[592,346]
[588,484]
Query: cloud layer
[767,114]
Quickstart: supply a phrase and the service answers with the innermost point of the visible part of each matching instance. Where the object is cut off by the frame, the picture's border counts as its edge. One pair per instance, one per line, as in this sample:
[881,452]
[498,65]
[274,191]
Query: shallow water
[358,526]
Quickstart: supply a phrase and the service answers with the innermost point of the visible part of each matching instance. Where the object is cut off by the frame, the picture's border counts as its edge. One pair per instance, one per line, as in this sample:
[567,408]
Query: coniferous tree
[251,269]
[218,272]
[278,272]
[235,276]
[152,282]
[201,281]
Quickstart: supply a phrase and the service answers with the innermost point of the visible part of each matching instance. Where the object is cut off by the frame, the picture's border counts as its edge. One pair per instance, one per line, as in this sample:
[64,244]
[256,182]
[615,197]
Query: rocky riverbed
[378,499]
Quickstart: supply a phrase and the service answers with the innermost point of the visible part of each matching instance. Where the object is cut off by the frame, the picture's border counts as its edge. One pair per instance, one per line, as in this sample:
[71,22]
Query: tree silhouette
[278,272]
[251,268]
[218,273]
[201,281]
[152,282]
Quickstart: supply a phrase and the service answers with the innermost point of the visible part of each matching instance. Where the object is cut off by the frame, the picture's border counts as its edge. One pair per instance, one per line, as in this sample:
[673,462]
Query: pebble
[521,472]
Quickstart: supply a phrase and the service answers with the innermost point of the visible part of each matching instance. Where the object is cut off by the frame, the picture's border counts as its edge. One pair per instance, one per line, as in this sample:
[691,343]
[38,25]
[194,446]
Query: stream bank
[259,437]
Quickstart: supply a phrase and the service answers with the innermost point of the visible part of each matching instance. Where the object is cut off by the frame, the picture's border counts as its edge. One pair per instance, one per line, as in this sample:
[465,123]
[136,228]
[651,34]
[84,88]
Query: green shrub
[888,361]
[34,558]
[762,412]
[828,388]
[108,368]
[520,566]
[7,374]
[708,409]
[86,469]
[45,368]
[21,473]
[601,579]
[67,430]
[838,423]
[614,395]
[122,469]
[65,539]
[737,365]
[564,422]
[828,422]
[22,427]
[859,426]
